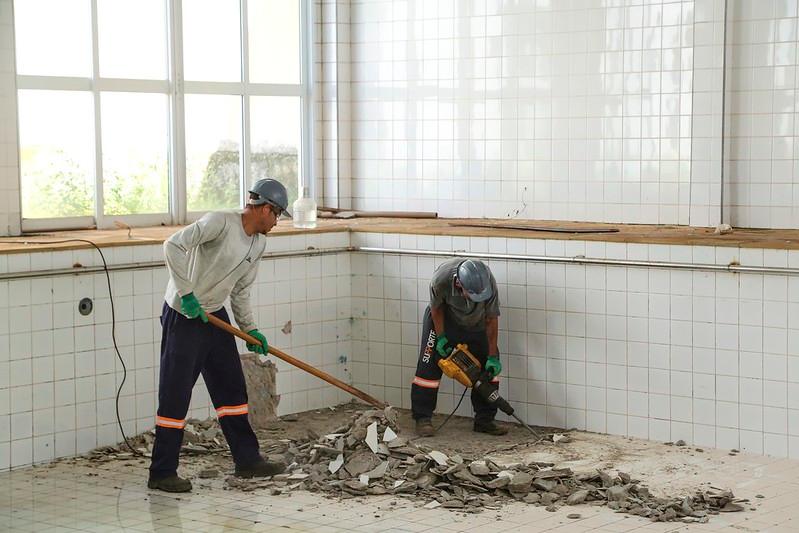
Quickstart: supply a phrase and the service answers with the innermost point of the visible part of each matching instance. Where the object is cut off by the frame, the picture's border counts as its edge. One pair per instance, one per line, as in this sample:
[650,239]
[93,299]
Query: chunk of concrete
[479,468]
[361,462]
[378,471]
[498,483]
[520,483]
[577,497]
[259,375]
[617,493]
[532,497]
[545,485]
[548,498]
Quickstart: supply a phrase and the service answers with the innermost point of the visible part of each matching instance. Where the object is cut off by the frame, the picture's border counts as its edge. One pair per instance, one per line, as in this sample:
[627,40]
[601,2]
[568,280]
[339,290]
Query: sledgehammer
[218,322]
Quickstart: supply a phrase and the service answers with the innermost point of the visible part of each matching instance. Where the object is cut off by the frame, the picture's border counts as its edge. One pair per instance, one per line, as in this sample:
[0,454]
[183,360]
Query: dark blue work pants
[190,347]
[425,384]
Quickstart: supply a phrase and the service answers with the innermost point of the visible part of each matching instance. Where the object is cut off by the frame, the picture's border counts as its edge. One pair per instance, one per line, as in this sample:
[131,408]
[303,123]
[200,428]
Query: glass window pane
[132,39]
[274,35]
[213,151]
[212,40]
[56,155]
[53,37]
[275,140]
[135,153]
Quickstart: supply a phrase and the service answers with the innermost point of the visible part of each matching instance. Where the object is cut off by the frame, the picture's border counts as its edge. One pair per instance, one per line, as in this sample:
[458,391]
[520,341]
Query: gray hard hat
[475,278]
[272,192]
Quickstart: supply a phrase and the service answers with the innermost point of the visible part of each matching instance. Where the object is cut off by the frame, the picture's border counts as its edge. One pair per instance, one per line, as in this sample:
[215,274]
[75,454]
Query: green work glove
[442,346]
[254,347]
[493,365]
[191,307]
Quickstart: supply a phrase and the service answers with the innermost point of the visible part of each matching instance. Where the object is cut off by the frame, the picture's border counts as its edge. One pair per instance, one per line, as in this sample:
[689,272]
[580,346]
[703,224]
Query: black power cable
[463,394]
[113,327]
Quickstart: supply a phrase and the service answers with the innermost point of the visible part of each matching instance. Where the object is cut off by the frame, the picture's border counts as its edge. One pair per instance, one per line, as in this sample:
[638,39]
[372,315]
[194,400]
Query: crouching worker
[208,261]
[464,309]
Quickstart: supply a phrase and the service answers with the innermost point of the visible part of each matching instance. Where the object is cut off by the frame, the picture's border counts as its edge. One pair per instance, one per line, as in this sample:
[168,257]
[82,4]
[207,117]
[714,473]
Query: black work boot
[170,484]
[424,427]
[490,427]
[262,468]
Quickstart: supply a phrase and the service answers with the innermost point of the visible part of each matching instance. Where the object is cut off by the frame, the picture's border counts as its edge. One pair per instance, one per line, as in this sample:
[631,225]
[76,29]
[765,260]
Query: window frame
[176,88]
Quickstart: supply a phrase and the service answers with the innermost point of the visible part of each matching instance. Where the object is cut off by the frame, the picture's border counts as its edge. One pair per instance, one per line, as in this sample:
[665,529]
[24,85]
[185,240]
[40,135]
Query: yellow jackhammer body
[462,366]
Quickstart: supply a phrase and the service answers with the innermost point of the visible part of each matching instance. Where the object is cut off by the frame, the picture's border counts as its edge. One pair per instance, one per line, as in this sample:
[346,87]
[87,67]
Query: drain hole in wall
[85,306]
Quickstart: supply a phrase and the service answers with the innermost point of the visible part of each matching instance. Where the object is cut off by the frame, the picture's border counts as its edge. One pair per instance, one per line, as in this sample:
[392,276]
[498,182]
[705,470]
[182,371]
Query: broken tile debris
[208,473]
[371,437]
[389,435]
[337,463]
[438,457]
[350,461]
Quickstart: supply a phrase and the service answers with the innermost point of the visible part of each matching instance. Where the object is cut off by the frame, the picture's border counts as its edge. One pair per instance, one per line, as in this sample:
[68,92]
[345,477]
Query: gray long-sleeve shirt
[214,258]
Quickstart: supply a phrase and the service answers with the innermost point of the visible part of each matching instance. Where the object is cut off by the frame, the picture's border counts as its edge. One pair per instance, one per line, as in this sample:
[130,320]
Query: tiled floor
[112,496]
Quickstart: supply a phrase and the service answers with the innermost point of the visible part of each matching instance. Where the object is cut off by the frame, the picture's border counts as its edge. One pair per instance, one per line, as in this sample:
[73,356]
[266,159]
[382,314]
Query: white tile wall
[59,372]
[711,358]
[9,167]
[554,110]
[333,177]
[763,183]
[312,293]
[480,110]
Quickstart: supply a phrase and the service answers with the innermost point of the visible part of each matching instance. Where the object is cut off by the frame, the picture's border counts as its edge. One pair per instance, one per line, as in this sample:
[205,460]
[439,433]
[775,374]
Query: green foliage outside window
[220,181]
[54,185]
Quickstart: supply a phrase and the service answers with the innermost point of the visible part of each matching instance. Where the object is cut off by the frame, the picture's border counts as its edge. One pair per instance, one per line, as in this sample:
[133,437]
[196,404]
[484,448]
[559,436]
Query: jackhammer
[462,366]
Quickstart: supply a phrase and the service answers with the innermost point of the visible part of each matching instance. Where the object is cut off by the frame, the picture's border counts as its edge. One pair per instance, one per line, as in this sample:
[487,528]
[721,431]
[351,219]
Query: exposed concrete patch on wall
[261,389]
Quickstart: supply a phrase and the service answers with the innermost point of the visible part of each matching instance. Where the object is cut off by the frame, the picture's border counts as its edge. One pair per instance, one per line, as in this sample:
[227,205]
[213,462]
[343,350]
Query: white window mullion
[144,219]
[306,69]
[55,224]
[132,86]
[99,207]
[58,83]
[275,89]
[213,87]
[177,188]
[245,104]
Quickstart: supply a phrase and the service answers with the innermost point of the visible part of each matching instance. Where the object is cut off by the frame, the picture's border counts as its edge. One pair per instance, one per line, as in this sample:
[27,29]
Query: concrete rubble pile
[369,457]
[199,437]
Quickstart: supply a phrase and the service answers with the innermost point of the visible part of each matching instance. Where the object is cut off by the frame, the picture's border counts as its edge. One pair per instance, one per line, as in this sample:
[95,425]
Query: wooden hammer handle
[218,322]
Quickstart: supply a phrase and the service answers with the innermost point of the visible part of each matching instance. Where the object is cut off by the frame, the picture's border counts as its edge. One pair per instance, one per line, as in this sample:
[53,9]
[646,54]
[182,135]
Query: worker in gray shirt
[208,261]
[464,309]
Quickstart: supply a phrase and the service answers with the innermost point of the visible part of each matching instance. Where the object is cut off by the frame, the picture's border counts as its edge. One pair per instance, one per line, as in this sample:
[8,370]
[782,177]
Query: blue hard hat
[272,192]
[475,278]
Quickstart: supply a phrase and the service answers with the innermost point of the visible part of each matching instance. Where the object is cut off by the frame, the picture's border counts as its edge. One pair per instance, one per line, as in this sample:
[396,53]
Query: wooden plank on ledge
[551,229]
